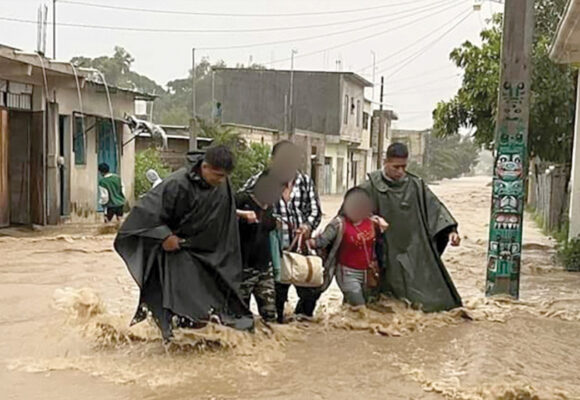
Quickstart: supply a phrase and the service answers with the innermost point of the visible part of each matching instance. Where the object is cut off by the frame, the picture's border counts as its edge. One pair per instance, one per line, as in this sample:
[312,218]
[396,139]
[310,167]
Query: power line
[316,36]
[427,47]
[176,30]
[214,14]
[419,40]
[374,35]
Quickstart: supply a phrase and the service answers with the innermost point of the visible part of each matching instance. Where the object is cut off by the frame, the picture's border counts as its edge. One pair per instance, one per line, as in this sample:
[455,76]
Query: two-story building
[416,141]
[57,123]
[321,111]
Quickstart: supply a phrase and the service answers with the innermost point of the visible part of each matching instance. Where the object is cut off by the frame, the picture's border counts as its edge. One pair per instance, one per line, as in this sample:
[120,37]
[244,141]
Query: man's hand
[287,192]
[249,216]
[304,230]
[454,239]
[171,243]
[380,223]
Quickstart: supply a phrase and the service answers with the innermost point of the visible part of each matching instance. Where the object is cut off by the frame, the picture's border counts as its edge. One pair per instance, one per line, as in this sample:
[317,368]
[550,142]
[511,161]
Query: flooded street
[66,302]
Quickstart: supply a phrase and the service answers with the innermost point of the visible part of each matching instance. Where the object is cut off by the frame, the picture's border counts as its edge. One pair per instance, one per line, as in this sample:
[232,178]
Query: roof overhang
[566,45]
[32,62]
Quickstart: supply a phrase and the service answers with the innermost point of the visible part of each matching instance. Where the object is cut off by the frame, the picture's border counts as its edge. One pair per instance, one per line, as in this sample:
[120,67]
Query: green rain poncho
[410,250]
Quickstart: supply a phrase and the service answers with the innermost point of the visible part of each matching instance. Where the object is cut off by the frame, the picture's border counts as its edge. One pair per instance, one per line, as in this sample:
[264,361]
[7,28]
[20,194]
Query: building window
[365,121]
[358,113]
[352,105]
[19,96]
[79,141]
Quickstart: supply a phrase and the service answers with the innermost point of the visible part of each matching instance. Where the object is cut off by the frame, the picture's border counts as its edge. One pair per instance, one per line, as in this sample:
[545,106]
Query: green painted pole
[510,168]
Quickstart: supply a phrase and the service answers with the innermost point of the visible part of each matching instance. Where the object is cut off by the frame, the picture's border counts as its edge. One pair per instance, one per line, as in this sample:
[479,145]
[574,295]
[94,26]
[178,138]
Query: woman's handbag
[372,273]
[301,270]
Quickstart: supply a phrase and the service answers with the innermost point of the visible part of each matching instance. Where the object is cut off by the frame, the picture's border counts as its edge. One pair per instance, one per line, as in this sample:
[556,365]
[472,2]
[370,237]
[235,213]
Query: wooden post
[510,171]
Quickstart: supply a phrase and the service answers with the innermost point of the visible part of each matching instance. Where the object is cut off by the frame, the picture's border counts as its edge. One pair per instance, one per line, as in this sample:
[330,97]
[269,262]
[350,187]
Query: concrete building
[566,50]
[381,127]
[325,111]
[56,125]
[415,140]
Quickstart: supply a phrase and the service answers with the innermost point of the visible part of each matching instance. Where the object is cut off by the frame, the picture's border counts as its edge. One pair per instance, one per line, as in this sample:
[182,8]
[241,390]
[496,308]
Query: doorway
[106,149]
[339,175]
[19,133]
[64,151]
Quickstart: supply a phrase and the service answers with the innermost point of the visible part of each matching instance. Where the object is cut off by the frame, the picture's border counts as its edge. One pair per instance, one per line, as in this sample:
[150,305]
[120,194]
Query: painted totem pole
[509,179]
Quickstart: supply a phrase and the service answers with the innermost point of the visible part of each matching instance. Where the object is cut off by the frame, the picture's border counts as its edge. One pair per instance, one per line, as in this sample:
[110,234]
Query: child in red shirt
[351,237]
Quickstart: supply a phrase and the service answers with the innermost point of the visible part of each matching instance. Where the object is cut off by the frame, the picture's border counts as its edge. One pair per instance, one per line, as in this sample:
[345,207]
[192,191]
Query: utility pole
[292,116]
[193,121]
[54,29]
[374,71]
[510,168]
[213,114]
[381,138]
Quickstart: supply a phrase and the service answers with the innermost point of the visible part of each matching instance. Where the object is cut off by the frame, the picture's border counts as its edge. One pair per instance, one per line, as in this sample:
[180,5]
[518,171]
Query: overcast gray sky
[411,39]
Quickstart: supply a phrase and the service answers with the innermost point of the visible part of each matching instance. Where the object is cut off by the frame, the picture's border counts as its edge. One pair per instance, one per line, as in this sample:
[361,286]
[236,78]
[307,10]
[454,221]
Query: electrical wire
[272,43]
[417,41]
[214,14]
[427,47]
[359,39]
[212,31]
[166,30]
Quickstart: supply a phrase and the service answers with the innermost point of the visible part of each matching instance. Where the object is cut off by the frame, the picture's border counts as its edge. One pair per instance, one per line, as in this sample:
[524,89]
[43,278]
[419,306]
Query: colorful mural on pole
[507,209]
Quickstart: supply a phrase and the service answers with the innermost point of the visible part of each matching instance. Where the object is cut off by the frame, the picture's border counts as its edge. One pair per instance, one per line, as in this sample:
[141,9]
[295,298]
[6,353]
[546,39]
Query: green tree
[448,157]
[117,71]
[552,97]
[250,158]
[145,160]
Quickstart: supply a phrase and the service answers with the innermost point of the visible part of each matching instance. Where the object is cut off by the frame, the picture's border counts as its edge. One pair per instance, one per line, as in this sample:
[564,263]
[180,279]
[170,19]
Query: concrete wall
[336,151]
[355,93]
[257,97]
[83,178]
[415,140]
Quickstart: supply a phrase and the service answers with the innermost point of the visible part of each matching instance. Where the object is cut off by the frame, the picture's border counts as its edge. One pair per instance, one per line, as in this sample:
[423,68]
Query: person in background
[112,196]
[256,222]
[420,227]
[300,214]
[350,239]
[153,177]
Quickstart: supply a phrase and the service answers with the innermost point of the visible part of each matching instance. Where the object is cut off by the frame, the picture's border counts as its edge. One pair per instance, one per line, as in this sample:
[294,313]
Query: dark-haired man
[111,193]
[300,215]
[181,244]
[420,229]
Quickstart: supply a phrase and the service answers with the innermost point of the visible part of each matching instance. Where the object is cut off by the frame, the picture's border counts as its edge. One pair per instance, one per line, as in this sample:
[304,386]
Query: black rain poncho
[200,281]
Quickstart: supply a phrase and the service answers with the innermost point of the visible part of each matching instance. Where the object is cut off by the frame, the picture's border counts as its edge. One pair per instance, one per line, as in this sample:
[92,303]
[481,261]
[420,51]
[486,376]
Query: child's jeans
[352,282]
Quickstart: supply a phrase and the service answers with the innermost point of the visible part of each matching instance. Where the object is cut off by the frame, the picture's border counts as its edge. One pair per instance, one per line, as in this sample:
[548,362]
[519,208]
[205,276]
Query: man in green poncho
[420,228]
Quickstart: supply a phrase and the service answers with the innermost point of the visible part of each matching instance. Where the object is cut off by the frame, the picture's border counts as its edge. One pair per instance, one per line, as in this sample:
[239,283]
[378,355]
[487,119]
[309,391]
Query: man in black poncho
[420,229]
[182,247]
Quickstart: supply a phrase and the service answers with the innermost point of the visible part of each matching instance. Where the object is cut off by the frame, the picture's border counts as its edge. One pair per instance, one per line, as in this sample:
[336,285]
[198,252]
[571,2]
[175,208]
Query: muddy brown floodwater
[66,301]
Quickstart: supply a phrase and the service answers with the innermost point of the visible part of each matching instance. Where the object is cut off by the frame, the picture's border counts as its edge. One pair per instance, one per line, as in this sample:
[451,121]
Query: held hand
[311,243]
[454,239]
[171,243]
[251,217]
[380,223]
[304,230]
